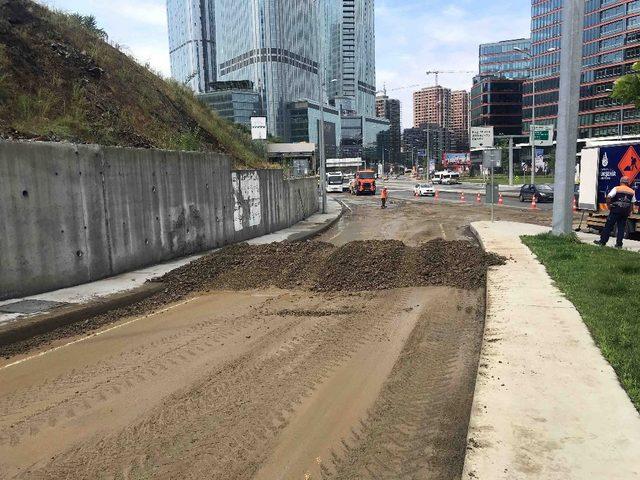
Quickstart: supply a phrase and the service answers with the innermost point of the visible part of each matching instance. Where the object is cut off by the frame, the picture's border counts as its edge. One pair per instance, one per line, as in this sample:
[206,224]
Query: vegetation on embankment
[60,80]
[603,284]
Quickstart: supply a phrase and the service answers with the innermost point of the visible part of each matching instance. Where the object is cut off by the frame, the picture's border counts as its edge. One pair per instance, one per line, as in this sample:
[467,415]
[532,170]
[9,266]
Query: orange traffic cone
[575,205]
[478,199]
[462,197]
[501,200]
[534,203]
[437,196]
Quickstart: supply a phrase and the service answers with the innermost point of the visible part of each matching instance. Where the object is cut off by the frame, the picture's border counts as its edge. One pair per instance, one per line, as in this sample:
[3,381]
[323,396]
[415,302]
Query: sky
[412,37]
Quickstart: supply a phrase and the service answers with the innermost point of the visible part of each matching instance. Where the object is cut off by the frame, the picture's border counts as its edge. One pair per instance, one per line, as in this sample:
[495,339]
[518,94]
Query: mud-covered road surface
[272,382]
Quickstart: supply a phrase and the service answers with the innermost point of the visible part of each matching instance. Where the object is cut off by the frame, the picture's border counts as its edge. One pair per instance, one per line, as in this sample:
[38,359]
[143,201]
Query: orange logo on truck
[630,164]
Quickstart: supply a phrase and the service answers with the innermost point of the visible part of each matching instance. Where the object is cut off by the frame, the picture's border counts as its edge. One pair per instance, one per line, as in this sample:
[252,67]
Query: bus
[446,178]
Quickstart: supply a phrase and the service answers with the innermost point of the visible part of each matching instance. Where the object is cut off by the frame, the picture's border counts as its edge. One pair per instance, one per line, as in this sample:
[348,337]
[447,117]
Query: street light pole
[570,69]
[321,84]
[533,132]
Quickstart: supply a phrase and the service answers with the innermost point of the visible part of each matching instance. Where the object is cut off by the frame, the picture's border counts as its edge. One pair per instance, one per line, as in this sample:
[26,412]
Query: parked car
[424,190]
[543,193]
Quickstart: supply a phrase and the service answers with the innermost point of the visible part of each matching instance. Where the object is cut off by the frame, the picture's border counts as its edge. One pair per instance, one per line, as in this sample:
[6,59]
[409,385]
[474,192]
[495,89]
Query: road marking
[97,334]
[444,235]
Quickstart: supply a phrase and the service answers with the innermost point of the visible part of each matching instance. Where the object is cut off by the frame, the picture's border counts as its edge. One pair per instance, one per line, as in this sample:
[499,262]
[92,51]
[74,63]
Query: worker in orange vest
[383,197]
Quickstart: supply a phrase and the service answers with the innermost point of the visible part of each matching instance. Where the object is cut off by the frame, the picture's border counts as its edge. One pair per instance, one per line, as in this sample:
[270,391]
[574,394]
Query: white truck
[601,167]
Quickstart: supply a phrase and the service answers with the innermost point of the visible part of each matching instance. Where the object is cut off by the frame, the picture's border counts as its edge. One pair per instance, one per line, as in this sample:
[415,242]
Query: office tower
[281,46]
[502,59]
[389,108]
[432,105]
[274,44]
[349,27]
[192,43]
[460,120]
[497,102]
[611,46]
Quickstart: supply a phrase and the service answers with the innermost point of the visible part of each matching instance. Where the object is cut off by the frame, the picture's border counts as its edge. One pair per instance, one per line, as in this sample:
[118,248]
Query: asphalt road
[403,189]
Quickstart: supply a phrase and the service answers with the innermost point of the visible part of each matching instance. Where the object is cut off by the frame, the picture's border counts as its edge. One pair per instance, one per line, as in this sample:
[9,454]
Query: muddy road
[264,383]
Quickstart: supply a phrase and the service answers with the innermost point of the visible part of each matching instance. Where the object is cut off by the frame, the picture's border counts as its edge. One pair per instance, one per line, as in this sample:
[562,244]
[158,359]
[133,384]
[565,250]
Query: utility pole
[570,70]
[511,161]
[321,83]
[533,131]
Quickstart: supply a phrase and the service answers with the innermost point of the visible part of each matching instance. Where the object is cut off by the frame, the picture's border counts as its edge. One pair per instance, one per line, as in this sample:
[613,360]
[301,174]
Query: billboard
[456,159]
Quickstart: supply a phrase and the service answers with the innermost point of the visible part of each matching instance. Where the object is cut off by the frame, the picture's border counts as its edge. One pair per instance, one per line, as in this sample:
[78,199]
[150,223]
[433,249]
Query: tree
[627,88]
[90,23]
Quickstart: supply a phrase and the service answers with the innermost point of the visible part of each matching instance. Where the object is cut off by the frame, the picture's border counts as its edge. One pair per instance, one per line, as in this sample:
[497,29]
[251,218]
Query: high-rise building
[192,43]
[389,108]
[432,105]
[350,53]
[502,59]
[611,45]
[497,102]
[460,120]
[281,46]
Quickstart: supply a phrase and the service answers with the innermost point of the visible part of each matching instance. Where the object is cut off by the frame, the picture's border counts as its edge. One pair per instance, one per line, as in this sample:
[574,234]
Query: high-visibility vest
[385,193]
[622,201]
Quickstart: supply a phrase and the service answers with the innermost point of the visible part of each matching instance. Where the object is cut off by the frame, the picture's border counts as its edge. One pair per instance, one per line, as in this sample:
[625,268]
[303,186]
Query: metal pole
[323,160]
[533,132]
[511,161]
[570,69]
[492,189]
[428,145]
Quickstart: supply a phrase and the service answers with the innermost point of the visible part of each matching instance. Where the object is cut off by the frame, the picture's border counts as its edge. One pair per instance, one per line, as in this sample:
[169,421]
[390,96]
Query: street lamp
[532,130]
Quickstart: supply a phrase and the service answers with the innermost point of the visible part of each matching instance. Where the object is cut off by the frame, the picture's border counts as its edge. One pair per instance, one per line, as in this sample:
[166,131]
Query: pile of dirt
[356,266]
[61,80]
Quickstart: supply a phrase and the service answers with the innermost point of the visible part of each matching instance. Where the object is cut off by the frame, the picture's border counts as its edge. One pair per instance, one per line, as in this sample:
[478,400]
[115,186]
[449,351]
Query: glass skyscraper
[501,59]
[281,46]
[611,45]
[192,42]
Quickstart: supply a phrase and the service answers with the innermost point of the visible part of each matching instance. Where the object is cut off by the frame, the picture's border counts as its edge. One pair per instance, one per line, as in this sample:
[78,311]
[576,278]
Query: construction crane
[385,89]
[438,72]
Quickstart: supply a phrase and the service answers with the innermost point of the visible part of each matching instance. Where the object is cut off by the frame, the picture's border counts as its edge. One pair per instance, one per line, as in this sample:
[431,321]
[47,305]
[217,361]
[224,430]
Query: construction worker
[384,194]
[621,201]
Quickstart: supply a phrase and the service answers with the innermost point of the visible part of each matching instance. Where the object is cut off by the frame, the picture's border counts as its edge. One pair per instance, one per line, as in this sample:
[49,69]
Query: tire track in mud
[223,426]
[417,428]
[79,391]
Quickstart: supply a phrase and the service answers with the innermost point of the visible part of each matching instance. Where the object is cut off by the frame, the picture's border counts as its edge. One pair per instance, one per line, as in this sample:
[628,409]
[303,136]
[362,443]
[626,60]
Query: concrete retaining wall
[71,214]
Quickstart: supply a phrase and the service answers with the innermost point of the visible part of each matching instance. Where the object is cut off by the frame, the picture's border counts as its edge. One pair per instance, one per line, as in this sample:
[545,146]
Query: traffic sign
[481,137]
[258,128]
[543,135]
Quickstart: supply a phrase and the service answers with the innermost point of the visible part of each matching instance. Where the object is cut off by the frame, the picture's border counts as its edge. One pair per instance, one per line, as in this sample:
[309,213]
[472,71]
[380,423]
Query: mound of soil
[356,266]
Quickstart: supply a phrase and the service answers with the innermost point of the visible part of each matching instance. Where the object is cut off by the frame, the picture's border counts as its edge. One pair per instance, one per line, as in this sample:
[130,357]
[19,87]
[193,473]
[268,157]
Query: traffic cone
[462,197]
[478,199]
[437,196]
[500,200]
[534,204]
[575,205]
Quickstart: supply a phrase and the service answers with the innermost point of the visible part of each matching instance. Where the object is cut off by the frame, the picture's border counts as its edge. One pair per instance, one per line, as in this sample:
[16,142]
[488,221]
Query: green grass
[518,179]
[604,285]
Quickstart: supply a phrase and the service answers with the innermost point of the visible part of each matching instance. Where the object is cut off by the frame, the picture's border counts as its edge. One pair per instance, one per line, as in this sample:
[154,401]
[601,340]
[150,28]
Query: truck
[334,182]
[364,183]
[601,168]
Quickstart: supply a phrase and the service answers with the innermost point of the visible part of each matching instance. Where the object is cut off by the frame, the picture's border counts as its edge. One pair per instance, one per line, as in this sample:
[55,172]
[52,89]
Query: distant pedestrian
[621,201]
[383,197]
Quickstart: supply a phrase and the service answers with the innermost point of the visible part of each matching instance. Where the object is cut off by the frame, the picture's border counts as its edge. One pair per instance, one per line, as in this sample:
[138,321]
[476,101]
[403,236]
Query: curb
[29,327]
[63,316]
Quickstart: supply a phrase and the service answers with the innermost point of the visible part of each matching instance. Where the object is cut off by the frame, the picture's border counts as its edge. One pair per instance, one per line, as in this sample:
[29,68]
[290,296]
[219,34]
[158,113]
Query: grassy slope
[604,285]
[61,81]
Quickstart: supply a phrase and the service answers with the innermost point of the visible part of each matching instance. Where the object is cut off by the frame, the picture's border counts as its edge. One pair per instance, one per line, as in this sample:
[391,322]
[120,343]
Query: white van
[334,182]
[446,178]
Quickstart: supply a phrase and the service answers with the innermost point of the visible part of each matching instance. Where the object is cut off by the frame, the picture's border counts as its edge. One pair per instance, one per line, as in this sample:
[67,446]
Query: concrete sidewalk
[13,310]
[547,404]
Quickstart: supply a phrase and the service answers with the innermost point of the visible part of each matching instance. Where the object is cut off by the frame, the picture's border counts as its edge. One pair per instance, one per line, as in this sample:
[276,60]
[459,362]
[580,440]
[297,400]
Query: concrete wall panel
[72,214]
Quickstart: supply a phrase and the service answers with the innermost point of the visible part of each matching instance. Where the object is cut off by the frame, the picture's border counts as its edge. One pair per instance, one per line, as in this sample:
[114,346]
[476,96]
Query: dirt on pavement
[286,378]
